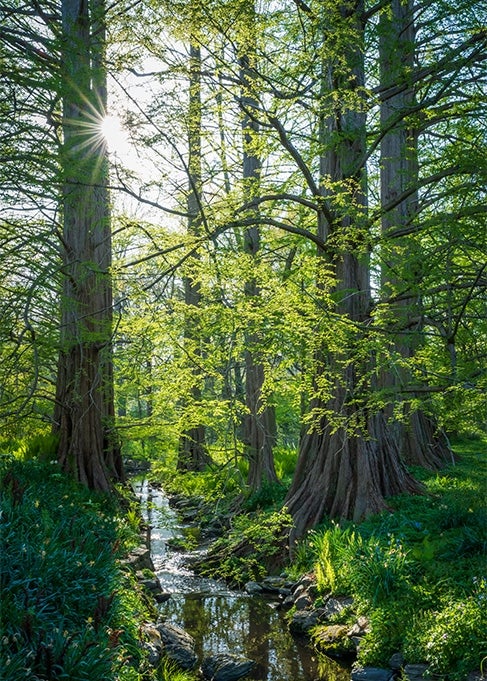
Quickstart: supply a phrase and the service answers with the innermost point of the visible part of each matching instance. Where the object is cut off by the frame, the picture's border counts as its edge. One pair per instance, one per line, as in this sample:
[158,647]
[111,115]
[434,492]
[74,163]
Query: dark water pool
[225,621]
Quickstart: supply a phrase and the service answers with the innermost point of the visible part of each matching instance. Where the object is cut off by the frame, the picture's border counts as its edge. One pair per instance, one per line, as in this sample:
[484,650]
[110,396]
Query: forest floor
[70,609]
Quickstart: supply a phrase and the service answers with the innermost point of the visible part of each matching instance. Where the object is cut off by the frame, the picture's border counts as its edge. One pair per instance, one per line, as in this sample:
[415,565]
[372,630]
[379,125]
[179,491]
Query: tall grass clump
[64,613]
[332,549]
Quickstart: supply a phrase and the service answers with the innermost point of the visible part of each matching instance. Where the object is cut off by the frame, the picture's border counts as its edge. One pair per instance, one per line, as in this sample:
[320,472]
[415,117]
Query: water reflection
[224,621]
[252,627]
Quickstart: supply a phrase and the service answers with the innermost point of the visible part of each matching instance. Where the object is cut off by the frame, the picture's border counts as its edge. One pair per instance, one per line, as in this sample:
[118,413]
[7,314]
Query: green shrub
[372,569]
[380,570]
[388,624]
[41,447]
[452,638]
[270,494]
[253,547]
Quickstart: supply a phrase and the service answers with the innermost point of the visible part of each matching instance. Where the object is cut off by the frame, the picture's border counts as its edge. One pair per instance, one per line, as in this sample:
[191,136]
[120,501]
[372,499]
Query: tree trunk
[84,413]
[418,438]
[343,475]
[192,453]
[348,462]
[259,427]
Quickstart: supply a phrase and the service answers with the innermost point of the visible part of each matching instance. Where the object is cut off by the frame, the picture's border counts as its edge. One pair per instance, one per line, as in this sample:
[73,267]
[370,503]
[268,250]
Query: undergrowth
[217,485]
[251,549]
[68,611]
[418,573]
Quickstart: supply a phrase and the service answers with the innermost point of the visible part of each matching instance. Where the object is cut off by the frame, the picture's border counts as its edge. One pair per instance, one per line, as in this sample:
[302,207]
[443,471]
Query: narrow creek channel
[220,619]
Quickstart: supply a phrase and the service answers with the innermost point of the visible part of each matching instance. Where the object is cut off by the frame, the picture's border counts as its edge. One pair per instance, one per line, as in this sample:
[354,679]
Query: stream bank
[224,623]
[252,623]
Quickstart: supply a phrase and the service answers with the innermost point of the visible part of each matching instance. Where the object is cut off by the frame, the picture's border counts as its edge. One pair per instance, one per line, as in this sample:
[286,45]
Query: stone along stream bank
[225,634]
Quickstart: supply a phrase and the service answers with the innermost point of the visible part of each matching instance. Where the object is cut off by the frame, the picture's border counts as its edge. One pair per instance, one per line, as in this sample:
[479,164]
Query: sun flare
[115,135]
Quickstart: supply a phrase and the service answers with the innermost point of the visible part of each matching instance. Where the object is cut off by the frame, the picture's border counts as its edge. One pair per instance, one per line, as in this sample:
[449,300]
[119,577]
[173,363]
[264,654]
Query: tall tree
[84,414]
[348,462]
[192,448]
[416,434]
[259,428]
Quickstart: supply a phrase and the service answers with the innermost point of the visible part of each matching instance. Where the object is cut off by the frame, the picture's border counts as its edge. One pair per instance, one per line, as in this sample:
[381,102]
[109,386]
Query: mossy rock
[333,640]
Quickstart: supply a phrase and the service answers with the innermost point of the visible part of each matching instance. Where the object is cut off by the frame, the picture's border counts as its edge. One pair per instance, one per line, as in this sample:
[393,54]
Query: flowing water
[222,620]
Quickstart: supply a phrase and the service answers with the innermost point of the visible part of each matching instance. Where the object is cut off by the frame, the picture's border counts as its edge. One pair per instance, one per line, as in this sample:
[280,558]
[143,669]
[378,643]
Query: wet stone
[178,645]
[153,653]
[287,603]
[360,628]
[371,674]
[275,585]
[304,582]
[477,675]
[151,584]
[253,588]
[162,597]
[415,672]
[334,606]
[303,602]
[224,667]
[152,644]
[304,620]
[396,661]
[139,559]
[332,640]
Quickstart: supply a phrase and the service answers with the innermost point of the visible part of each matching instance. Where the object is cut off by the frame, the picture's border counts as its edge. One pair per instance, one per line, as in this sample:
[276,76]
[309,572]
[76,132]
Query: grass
[418,573]
[68,611]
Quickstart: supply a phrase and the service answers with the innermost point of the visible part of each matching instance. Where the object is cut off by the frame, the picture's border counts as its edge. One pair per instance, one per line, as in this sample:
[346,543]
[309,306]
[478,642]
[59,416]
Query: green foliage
[285,462]
[42,447]
[169,672]
[388,624]
[252,548]
[337,645]
[332,550]
[416,571]
[451,637]
[380,570]
[218,486]
[373,569]
[68,611]
[269,494]
[303,559]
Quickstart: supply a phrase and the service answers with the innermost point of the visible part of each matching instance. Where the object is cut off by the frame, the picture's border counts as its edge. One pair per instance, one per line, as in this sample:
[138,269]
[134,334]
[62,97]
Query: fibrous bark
[419,439]
[193,454]
[84,414]
[348,461]
[259,427]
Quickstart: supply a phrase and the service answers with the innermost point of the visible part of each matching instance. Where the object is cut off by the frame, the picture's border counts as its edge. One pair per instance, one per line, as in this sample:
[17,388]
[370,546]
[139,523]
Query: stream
[222,620]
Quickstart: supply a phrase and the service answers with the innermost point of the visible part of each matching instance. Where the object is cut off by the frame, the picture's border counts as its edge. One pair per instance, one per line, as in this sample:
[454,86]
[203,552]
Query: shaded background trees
[29,218]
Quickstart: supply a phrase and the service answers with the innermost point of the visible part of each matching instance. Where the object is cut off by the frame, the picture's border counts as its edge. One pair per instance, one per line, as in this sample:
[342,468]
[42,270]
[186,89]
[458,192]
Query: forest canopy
[230,229]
